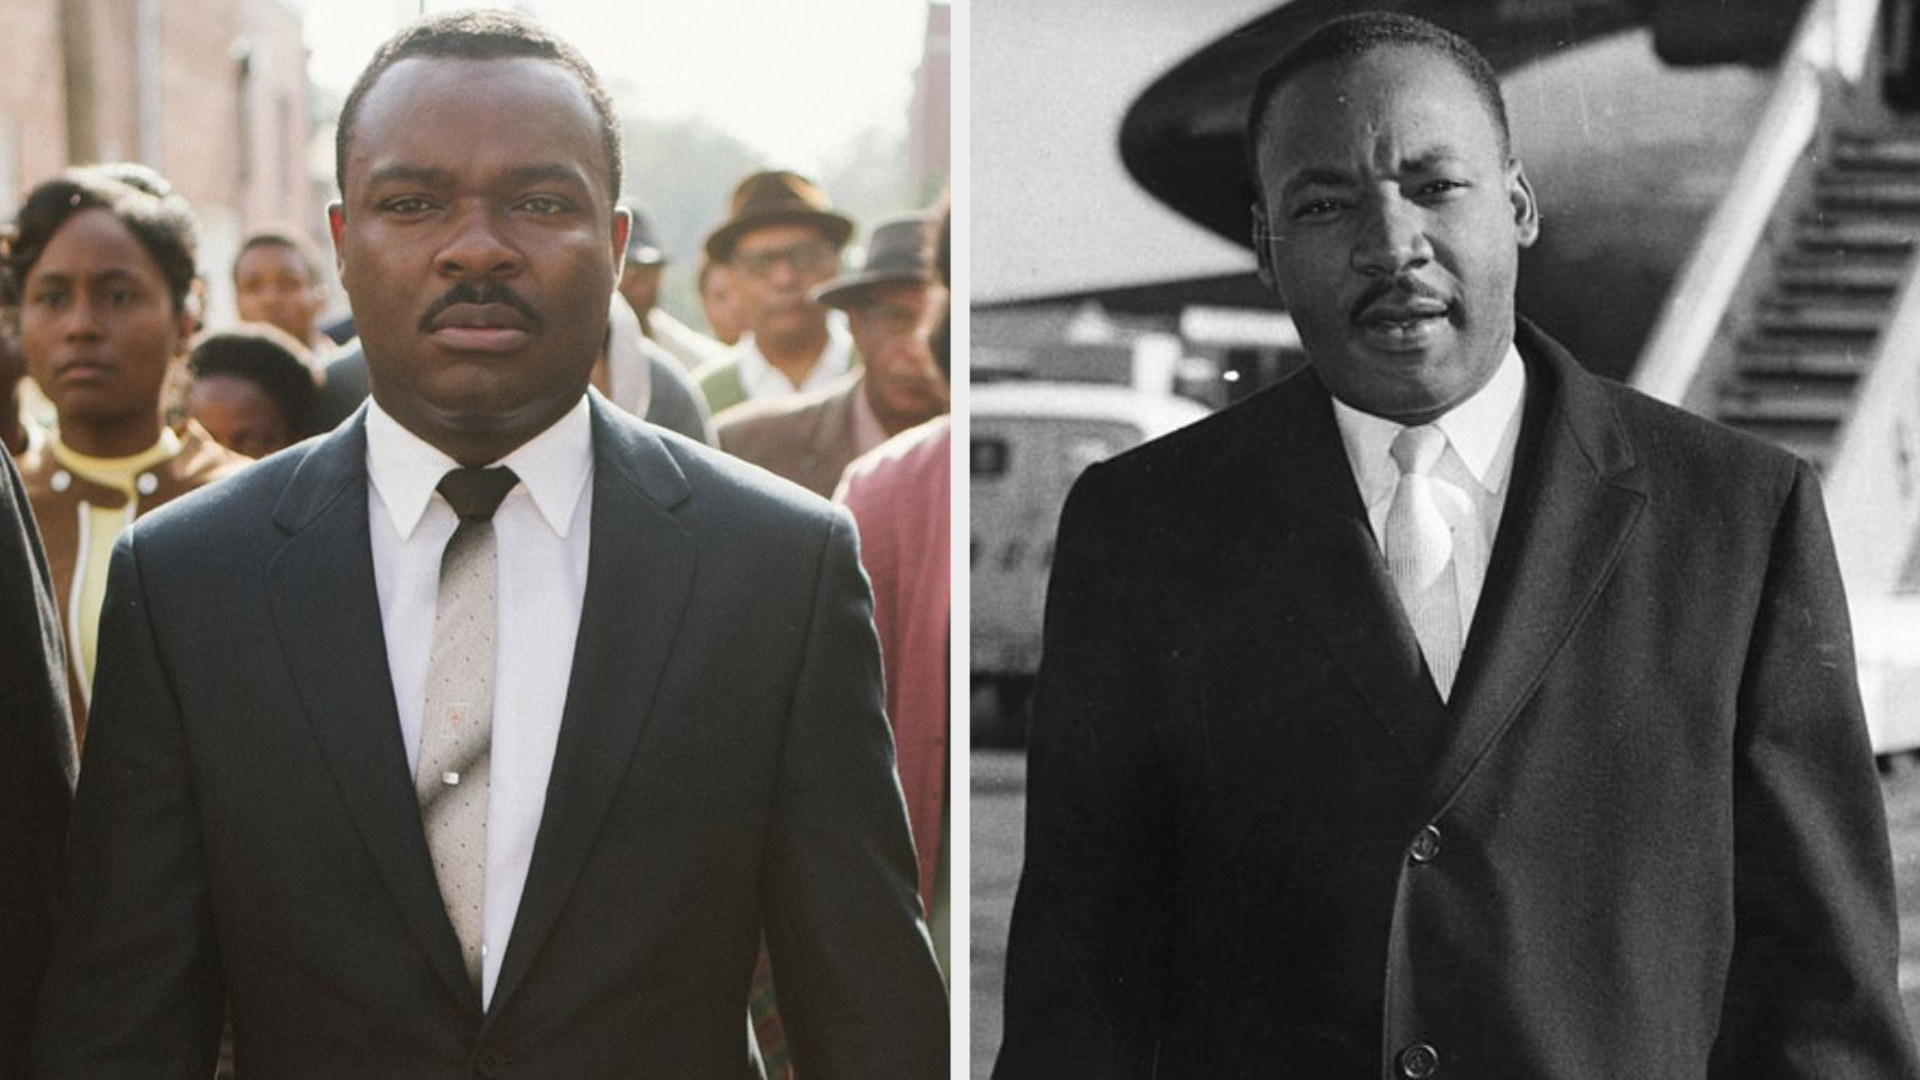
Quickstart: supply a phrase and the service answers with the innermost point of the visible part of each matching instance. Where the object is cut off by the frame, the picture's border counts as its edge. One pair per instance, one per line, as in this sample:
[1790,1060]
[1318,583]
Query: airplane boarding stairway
[1797,319]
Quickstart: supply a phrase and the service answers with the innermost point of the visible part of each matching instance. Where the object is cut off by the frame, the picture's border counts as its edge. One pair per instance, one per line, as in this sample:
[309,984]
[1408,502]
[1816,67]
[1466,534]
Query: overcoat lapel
[326,611]
[1301,490]
[1570,509]
[640,567]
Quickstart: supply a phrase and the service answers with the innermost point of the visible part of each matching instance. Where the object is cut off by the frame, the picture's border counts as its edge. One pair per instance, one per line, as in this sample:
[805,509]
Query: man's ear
[1263,244]
[1526,208]
[337,228]
[622,226]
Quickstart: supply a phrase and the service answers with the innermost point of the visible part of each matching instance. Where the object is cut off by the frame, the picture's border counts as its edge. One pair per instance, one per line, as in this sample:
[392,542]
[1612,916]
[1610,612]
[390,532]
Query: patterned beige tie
[1419,549]
[456,729]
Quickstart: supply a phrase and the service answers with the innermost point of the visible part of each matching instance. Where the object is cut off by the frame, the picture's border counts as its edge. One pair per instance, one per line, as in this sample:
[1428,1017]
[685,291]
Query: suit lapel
[640,567]
[1300,489]
[326,612]
[1572,504]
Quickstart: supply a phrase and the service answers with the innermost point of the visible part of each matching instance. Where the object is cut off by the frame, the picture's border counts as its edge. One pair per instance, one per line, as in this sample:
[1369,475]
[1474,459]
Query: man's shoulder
[718,487]
[774,419]
[1688,441]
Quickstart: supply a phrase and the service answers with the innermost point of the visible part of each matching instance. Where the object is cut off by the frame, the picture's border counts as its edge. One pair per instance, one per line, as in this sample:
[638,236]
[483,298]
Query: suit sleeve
[134,988]
[860,993]
[36,767]
[1812,988]
[1086,956]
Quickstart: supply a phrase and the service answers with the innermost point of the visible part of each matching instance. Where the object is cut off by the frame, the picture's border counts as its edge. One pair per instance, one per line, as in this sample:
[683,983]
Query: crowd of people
[721,625]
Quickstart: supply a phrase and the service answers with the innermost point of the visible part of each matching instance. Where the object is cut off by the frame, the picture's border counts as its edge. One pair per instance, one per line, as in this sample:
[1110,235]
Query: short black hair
[264,355]
[480,35]
[1353,36]
[308,251]
[141,198]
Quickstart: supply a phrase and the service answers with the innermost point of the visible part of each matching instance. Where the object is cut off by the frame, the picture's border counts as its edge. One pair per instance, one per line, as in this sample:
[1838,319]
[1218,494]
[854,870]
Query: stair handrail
[1829,41]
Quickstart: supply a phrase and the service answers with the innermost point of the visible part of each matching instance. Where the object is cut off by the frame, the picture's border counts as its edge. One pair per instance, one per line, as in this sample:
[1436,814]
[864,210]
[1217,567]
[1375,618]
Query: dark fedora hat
[899,252]
[643,247]
[776,197]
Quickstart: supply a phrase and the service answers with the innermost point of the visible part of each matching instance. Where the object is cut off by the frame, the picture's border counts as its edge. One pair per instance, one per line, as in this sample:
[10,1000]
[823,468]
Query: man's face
[773,267]
[720,300]
[641,286]
[1395,222]
[889,326]
[478,241]
[273,284]
[97,323]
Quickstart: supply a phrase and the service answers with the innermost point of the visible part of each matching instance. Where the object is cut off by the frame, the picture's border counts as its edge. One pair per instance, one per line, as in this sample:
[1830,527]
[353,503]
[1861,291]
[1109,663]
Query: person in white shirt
[781,238]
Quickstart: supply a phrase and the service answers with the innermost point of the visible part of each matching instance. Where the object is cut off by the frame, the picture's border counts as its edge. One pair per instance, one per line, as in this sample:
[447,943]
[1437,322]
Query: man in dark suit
[1445,710]
[515,789]
[36,766]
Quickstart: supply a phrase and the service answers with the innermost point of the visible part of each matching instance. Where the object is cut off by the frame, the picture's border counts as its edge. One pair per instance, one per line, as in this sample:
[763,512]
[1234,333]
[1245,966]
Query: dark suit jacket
[36,767]
[245,820]
[1643,840]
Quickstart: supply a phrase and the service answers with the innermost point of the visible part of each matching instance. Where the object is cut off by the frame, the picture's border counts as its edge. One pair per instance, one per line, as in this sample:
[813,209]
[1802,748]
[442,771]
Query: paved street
[999,783]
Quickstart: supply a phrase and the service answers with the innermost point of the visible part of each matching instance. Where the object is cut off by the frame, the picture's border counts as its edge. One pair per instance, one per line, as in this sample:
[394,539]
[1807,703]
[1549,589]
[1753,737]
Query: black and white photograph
[1445,597]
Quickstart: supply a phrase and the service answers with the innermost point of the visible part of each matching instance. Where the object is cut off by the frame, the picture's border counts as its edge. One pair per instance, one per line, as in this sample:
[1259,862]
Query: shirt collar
[1478,430]
[762,379]
[553,467]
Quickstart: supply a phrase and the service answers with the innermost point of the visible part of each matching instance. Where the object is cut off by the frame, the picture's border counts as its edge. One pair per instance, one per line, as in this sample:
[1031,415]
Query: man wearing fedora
[640,276]
[781,238]
[810,439]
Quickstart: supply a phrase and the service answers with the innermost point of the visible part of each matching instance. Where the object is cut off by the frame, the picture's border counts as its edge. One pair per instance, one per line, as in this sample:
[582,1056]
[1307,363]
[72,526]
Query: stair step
[1786,407]
[1894,151]
[1855,236]
[1867,198]
[1757,357]
[1849,277]
[1819,321]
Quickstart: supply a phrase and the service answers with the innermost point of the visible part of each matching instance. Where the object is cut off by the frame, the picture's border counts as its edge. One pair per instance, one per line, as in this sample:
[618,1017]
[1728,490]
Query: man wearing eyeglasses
[811,438]
[781,238]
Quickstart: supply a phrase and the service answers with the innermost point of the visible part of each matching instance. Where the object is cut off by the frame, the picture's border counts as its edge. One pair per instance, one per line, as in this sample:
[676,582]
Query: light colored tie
[1419,549]
[456,728]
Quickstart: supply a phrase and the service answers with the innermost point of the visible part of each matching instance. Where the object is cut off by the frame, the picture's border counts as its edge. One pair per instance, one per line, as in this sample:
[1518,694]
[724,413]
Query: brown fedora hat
[776,197]
[898,252]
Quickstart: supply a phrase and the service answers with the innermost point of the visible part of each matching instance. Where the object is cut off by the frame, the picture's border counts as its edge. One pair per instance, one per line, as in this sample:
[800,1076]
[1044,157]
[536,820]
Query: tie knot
[476,493]
[1417,449]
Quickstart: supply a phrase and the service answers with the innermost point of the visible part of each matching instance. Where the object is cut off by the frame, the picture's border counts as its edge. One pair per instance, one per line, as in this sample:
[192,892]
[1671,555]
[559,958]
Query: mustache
[1404,285]
[492,293]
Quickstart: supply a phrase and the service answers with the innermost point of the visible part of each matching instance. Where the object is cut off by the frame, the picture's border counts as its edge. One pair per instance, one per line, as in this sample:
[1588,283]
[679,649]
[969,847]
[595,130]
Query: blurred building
[930,123]
[212,93]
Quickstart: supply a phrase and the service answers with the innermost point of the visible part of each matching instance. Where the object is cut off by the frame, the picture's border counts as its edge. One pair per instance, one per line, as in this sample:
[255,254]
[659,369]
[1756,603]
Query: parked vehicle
[1029,442]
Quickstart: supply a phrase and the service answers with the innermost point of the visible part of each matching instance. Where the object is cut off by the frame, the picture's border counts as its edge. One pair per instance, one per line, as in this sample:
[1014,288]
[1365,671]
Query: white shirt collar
[760,379]
[553,467]
[1481,430]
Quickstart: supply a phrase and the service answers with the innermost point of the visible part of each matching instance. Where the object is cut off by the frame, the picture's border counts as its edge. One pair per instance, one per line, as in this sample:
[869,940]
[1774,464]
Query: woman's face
[98,325]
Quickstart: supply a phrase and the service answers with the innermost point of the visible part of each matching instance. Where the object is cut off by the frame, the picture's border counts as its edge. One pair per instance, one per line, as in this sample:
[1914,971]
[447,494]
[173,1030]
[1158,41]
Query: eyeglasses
[805,258]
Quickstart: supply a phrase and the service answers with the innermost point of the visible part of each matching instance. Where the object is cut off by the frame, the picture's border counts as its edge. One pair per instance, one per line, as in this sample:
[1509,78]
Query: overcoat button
[61,480]
[1419,1061]
[490,1063]
[147,484]
[1426,846]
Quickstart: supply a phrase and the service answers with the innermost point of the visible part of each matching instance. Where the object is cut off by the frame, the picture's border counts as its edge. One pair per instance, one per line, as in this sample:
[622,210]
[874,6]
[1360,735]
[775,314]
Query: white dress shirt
[1470,480]
[760,379]
[541,532]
